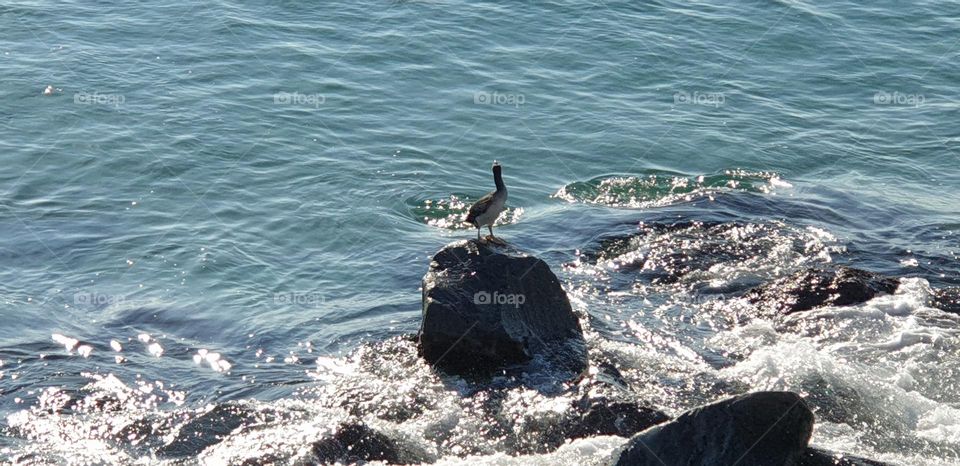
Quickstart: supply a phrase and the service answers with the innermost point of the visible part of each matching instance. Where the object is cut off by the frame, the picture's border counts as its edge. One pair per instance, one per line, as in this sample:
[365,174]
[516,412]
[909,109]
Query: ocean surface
[226,207]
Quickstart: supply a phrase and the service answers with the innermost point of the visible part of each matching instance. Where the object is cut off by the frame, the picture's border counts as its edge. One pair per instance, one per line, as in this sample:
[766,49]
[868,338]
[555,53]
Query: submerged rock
[605,416]
[600,404]
[586,417]
[355,441]
[207,429]
[666,251]
[817,457]
[486,307]
[947,299]
[607,406]
[761,428]
[812,288]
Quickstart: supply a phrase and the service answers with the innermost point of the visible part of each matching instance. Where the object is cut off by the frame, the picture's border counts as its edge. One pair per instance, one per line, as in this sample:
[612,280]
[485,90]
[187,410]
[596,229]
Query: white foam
[69,343]
[214,360]
[155,349]
[777,182]
[863,382]
[912,294]
[585,452]
[911,262]
[941,424]
[907,338]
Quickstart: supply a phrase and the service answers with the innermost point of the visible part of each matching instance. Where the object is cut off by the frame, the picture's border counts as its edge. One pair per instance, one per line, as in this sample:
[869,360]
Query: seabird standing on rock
[488,208]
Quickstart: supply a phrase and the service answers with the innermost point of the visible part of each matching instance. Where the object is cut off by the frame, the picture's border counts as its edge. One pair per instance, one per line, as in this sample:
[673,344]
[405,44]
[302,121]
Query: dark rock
[586,417]
[355,441]
[947,299]
[486,307]
[756,429]
[817,457]
[607,406]
[812,288]
[608,376]
[664,251]
[832,399]
[602,404]
[207,429]
[605,416]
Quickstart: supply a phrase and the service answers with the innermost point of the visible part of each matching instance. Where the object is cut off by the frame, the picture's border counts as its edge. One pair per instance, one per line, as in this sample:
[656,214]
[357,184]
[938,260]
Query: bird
[486,210]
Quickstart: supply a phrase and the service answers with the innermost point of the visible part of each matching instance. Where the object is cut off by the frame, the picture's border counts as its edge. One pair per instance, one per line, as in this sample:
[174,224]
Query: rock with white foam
[812,288]
[355,442]
[947,299]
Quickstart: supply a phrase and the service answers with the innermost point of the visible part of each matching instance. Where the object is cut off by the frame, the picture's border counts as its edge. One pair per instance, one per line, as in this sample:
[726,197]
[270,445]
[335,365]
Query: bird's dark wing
[479,207]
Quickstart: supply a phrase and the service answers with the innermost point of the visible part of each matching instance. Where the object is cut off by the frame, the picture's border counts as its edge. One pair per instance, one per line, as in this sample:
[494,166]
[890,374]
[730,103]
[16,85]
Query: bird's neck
[498,179]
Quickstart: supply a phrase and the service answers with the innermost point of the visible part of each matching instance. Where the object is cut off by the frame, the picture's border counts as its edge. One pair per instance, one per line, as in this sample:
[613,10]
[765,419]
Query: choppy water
[224,204]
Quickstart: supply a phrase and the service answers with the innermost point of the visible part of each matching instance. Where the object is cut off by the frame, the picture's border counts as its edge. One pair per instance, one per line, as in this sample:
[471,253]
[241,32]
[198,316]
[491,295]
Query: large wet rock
[811,288]
[486,307]
[762,428]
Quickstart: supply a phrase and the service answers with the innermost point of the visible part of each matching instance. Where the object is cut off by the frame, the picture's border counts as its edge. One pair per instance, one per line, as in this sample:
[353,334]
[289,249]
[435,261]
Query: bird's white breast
[496,207]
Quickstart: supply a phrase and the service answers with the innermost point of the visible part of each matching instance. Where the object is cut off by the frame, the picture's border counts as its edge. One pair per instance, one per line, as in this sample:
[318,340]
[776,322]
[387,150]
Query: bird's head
[496,166]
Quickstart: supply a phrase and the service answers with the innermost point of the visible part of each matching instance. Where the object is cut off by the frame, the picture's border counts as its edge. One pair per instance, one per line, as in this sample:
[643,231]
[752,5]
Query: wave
[662,188]
[450,212]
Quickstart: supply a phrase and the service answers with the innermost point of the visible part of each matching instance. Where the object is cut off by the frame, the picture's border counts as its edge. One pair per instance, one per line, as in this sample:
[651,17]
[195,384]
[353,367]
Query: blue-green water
[267,182]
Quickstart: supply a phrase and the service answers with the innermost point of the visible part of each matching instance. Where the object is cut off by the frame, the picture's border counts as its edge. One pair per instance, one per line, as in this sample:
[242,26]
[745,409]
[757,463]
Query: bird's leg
[478,233]
[494,238]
